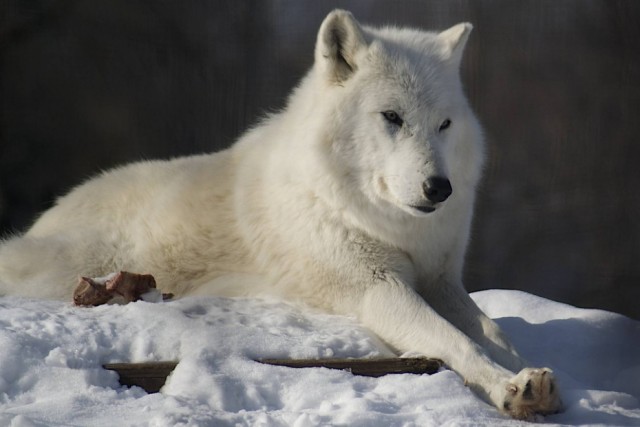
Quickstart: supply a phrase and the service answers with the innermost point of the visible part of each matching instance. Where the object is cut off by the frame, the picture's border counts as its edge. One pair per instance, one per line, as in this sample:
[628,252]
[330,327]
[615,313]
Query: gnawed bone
[91,293]
[130,286]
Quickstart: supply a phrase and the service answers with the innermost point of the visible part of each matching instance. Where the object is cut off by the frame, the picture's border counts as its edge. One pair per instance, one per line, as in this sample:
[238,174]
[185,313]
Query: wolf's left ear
[340,39]
[454,40]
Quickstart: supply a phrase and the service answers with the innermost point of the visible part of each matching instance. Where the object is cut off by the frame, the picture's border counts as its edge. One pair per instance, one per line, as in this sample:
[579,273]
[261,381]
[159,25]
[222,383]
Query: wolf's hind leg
[44,267]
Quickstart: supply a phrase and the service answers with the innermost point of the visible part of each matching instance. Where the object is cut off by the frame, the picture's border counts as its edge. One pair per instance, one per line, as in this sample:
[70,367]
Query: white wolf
[357,198]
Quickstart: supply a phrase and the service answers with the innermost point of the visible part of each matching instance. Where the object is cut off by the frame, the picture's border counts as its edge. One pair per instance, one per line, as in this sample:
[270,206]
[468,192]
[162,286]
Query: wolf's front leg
[402,318]
[451,301]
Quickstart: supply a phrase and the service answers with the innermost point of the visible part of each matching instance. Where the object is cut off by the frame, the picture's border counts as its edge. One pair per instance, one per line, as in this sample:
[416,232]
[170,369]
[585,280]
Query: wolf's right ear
[339,41]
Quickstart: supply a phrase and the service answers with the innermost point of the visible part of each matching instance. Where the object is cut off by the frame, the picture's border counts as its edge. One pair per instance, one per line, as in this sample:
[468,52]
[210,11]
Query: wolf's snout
[437,189]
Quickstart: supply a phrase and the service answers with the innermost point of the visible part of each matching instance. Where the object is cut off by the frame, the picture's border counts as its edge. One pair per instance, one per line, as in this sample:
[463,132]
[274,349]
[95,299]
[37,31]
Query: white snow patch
[51,357]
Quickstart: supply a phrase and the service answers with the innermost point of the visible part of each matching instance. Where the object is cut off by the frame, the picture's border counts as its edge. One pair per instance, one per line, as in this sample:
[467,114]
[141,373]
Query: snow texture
[51,355]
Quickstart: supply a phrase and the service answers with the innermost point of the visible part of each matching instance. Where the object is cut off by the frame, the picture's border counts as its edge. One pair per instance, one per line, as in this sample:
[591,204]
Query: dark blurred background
[86,85]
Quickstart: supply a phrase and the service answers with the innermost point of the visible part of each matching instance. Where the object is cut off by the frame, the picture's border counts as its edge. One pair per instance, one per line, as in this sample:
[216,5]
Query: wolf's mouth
[425,209]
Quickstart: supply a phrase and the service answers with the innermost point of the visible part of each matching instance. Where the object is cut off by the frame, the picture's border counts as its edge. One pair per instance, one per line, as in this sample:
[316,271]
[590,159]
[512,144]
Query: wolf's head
[401,128]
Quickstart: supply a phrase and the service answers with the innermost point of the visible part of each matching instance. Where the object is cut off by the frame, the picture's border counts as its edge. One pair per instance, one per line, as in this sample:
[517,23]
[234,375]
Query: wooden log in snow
[365,367]
[151,376]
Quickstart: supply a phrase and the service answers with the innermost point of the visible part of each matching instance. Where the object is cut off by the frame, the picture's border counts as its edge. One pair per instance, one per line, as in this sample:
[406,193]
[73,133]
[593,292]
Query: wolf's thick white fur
[328,202]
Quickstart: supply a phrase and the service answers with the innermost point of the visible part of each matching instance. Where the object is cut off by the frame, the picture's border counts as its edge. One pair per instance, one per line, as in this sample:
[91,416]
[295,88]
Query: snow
[51,355]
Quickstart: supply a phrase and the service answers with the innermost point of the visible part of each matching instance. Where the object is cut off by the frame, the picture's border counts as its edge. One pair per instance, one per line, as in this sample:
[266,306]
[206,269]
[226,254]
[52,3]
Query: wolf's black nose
[437,189]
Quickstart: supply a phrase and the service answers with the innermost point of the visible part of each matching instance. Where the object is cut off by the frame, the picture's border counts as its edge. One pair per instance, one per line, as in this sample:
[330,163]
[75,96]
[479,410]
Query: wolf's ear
[339,41]
[454,40]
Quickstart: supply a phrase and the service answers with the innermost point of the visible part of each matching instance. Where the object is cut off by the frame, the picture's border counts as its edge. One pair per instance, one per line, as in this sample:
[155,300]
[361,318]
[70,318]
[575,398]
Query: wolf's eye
[393,117]
[444,125]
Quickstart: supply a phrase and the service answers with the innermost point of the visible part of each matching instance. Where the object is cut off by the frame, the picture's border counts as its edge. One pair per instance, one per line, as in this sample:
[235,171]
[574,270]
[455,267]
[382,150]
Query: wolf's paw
[530,393]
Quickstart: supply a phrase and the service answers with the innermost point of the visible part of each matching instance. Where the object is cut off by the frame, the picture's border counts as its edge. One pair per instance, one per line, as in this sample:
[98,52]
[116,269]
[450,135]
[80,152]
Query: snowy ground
[51,355]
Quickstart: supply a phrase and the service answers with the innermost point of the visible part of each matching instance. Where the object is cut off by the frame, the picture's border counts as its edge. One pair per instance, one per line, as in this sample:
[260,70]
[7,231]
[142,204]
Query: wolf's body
[357,199]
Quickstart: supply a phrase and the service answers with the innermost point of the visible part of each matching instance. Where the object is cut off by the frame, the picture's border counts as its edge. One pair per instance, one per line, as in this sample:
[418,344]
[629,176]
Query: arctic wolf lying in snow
[357,198]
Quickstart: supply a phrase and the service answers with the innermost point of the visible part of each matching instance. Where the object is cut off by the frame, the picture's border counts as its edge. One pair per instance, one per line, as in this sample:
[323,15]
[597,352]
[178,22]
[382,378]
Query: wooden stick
[151,376]
[365,367]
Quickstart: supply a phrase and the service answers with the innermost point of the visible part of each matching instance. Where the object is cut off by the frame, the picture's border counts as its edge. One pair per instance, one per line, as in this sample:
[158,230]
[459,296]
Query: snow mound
[51,357]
